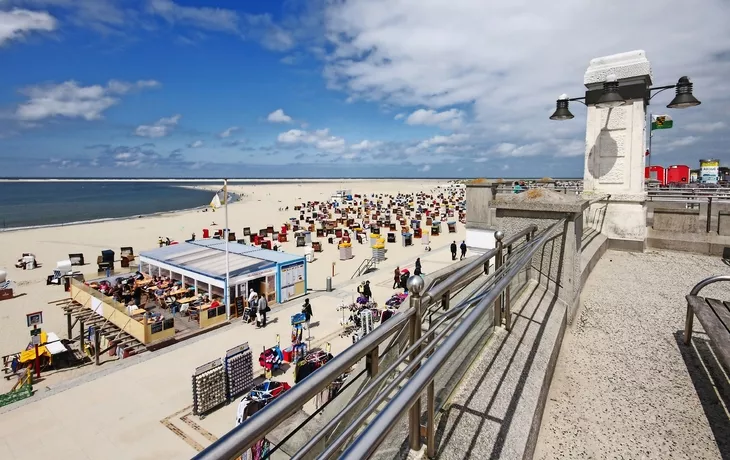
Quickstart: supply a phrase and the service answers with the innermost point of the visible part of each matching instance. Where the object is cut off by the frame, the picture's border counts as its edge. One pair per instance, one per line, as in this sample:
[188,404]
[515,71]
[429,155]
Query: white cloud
[160,128]
[216,19]
[706,127]
[425,168]
[278,116]
[228,132]
[399,116]
[260,27]
[102,16]
[366,145]
[196,144]
[71,100]
[321,139]
[451,139]
[507,149]
[432,54]
[17,23]
[451,118]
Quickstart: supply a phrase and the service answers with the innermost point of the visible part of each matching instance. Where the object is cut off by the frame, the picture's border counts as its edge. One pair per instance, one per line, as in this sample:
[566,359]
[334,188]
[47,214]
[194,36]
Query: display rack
[239,370]
[209,387]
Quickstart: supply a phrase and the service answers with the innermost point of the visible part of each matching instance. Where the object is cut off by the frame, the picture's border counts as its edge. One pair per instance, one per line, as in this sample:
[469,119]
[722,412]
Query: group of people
[166,241]
[462,246]
[400,277]
[258,307]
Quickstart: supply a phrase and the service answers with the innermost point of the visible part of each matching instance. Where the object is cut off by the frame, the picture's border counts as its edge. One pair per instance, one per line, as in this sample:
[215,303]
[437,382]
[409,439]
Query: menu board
[292,275]
[239,307]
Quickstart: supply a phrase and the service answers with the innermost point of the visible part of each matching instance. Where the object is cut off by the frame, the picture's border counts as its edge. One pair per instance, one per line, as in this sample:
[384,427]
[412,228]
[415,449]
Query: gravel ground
[624,387]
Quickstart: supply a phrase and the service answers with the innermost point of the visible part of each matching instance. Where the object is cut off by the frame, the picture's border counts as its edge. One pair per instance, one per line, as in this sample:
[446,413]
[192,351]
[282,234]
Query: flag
[647,153]
[661,122]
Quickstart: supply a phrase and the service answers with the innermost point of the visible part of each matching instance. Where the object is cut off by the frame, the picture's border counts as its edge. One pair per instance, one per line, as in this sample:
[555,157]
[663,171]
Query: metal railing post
[415,285]
[498,235]
[372,362]
[431,420]
[709,214]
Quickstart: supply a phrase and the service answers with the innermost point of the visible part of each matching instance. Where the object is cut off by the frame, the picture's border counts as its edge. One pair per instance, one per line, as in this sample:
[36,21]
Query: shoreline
[236,197]
[104,219]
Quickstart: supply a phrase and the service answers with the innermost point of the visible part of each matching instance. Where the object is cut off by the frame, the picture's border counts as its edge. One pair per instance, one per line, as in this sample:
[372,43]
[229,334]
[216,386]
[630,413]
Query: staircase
[366,266]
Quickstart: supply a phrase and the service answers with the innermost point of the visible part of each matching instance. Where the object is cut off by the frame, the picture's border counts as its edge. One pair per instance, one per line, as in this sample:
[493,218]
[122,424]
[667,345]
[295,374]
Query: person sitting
[214,303]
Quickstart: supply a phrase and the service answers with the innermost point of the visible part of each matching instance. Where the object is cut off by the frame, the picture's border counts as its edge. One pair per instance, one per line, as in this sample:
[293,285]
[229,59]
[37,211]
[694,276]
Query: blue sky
[294,88]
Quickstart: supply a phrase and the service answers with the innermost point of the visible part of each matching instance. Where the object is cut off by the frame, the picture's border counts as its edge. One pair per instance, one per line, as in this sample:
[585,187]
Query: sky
[335,88]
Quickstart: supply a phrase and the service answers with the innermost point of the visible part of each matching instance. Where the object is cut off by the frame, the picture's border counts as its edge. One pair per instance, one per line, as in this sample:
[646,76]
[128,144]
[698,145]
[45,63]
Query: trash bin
[329,284]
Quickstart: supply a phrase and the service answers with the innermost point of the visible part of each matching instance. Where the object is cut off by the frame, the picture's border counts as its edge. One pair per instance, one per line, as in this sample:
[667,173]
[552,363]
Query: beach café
[201,264]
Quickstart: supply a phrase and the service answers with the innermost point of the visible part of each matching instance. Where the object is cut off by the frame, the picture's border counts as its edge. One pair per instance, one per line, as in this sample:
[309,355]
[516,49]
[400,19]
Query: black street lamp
[610,96]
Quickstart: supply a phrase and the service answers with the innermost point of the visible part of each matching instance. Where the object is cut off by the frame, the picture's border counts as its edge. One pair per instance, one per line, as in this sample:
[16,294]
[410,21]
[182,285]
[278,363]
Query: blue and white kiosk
[202,265]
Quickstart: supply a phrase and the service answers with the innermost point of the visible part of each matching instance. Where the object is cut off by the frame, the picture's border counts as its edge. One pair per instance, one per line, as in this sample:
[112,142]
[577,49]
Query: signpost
[34,319]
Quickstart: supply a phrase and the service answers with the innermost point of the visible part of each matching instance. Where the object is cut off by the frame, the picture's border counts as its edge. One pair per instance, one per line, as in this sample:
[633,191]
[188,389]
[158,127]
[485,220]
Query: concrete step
[496,409]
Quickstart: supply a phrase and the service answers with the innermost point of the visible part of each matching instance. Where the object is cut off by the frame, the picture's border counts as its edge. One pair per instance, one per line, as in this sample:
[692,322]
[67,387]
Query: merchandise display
[239,370]
[209,387]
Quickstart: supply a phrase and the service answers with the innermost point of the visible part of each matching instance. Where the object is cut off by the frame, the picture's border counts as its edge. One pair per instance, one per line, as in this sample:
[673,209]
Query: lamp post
[611,97]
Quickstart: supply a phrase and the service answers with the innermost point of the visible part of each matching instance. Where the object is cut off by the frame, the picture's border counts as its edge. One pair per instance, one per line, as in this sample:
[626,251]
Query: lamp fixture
[683,97]
[611,96]
[561,110]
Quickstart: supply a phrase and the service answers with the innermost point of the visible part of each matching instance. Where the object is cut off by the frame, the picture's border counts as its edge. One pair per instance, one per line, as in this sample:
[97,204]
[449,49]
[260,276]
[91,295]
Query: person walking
[417,271]
[453,250]
[307,310]
[366,292]
[396,278]
[463,250]
[263,308]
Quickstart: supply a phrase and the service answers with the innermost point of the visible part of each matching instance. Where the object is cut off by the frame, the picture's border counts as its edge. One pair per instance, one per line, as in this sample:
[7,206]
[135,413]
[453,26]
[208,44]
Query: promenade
[625,385]
[141,407]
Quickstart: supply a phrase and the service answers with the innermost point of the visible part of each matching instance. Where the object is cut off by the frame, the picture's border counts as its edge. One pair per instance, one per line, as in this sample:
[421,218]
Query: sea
[32,204]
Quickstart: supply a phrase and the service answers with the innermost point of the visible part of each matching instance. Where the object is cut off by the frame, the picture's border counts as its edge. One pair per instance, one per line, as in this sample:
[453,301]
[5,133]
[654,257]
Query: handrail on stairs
[364,266]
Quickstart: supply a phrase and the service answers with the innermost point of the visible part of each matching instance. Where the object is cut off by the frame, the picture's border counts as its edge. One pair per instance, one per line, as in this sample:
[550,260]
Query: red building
[656,172]
[678,174]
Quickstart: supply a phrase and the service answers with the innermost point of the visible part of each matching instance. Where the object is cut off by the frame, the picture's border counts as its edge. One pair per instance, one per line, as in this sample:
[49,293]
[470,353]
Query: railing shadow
[443,438]
[713,388]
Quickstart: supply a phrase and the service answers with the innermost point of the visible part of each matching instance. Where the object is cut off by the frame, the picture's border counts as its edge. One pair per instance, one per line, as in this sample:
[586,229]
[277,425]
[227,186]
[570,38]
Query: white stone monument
[615,148]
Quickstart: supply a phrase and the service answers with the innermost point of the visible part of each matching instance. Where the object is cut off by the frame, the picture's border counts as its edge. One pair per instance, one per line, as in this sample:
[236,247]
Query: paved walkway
[625,386]
[143,410]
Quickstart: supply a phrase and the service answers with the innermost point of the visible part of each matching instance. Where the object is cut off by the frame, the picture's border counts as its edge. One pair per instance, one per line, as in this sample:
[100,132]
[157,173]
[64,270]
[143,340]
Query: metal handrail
[242,437]
[437,291]
[707,281]
[327,429]
[369,440]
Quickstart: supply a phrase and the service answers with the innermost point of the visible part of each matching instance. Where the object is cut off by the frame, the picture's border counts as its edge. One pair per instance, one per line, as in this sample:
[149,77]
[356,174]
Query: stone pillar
[480,218]
[616,146]
[557,266]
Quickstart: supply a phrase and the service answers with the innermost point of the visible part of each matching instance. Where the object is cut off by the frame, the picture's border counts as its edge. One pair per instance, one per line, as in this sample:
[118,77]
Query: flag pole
[226,233]
[650,136]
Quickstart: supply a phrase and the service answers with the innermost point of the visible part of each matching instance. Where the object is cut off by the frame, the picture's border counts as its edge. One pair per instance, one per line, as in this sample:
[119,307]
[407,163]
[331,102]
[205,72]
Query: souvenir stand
[298,348]
[271,358]
[310,363]
[239,370]
[209,387]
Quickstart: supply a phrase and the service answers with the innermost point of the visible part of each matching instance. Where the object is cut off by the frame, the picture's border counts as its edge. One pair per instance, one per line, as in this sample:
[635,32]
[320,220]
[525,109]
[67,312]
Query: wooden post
[97,344]
[81,336]
[68,325]
[37,359]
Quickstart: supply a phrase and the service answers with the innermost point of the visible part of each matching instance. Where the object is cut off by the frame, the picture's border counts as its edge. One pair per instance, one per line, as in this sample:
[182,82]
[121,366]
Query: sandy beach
[259,207]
